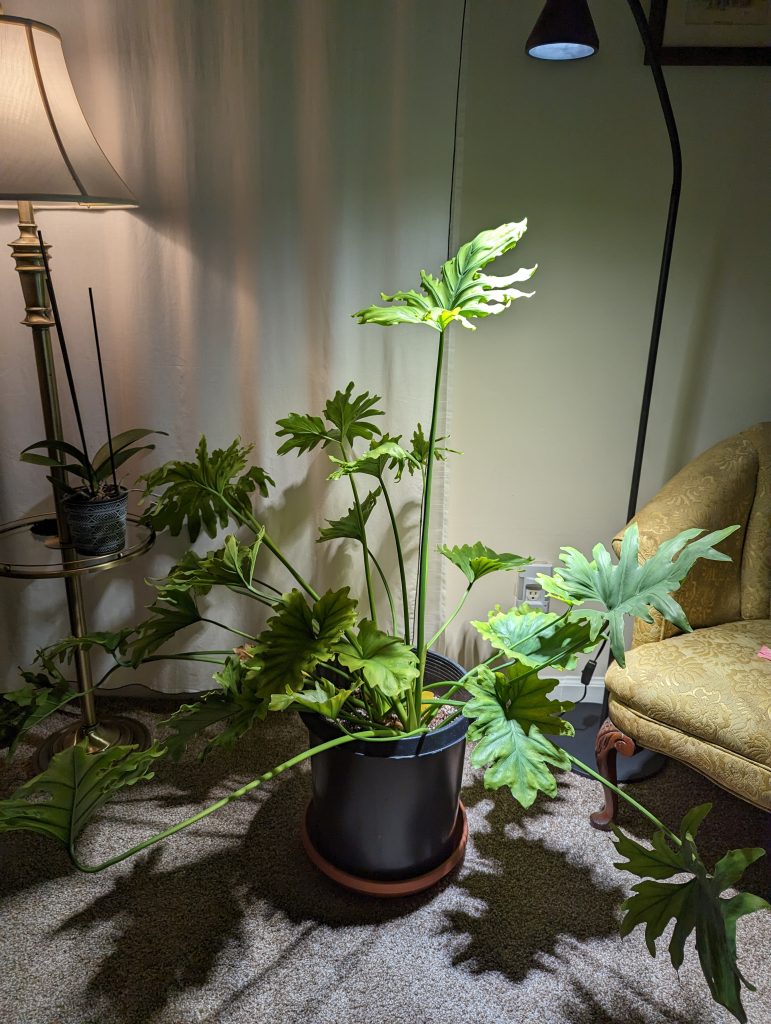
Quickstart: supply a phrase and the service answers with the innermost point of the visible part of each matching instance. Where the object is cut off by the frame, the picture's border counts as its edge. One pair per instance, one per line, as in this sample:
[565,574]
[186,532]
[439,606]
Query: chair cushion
[709,684]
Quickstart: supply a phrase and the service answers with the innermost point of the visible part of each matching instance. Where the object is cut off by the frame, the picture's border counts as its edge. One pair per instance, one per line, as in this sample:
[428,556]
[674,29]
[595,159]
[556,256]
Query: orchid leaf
[61,800]
[299,637]
[350,526]
[386,663]
[206,492]
[629,588]
[476,560]
[509,713]
[462,292]
[122,441]
[537,638]
[696,905]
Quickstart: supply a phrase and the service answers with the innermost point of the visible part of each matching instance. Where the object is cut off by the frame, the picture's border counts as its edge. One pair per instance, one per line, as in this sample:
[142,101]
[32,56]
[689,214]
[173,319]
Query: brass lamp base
[111,731]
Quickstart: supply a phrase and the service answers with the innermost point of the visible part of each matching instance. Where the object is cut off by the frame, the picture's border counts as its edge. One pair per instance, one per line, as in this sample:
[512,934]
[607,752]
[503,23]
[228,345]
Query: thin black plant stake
[63,345]
[104,390]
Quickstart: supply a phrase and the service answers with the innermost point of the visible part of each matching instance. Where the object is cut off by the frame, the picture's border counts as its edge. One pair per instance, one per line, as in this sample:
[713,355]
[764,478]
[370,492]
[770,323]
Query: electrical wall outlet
[529,589]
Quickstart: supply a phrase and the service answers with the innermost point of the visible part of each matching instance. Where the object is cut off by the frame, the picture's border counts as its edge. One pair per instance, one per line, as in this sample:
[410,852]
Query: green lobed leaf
[509,714]
[206,492]
[23,709]
[299,637]
[233,566]
[419,450]
[696,905]
[385,453]
[236,706]
[463,292]
[537,638]
[351,416]
[349,527]
[629,588]
[61,800]
[385,662]
[347,417]
[476,560]
[175,611]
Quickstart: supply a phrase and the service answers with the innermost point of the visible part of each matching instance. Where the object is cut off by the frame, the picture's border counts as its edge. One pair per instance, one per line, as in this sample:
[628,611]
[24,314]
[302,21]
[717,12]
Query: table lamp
[49,157]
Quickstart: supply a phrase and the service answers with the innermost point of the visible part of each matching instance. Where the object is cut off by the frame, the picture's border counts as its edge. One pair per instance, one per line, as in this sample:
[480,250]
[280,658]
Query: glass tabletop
[29,549]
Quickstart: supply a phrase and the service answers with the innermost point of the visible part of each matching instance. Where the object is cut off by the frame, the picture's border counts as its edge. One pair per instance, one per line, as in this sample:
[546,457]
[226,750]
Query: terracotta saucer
[400,887]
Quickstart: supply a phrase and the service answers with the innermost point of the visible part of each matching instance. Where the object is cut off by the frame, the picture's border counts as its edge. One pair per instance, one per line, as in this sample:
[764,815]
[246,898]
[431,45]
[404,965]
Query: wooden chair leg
[610,740]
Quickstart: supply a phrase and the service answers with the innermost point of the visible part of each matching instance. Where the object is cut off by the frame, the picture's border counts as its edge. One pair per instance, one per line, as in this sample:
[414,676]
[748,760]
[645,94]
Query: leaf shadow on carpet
[175,923]
[532,896]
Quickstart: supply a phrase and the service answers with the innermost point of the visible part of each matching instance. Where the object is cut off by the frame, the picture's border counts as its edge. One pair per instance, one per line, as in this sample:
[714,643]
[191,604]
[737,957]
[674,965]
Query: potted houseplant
[95,509]
[387,719]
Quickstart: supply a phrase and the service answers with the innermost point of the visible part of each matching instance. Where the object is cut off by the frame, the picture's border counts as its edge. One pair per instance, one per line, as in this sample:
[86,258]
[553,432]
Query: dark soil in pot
[388,811]
[97,525]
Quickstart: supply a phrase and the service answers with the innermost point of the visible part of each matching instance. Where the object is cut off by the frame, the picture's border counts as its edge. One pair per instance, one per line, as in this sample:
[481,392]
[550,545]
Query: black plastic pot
[97,527]
[388,811]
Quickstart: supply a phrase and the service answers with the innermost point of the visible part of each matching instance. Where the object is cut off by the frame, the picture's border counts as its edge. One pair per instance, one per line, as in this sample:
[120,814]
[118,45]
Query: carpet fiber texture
[228,923]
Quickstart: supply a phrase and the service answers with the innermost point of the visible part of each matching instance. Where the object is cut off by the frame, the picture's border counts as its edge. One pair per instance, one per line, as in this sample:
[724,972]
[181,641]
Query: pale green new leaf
[463,292]
[298,638]
[696,905]
[60,801]
[629,588]
[383,454]
[205,493]
[323,698]
[509,714]
[349,527]
[385,662]
[537,638]
[476,560]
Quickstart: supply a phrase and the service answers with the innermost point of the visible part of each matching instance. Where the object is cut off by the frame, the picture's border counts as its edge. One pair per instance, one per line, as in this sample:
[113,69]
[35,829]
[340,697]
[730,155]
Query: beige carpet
[229,924]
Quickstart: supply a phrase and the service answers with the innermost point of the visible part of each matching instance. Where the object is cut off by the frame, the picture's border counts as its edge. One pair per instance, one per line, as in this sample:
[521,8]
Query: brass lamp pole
[52,158]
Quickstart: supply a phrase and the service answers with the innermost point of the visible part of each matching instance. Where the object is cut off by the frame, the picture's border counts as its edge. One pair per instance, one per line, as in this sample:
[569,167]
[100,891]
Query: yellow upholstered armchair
[704,697]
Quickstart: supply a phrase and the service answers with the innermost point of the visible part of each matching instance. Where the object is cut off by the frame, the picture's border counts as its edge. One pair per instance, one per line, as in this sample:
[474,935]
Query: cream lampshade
[47,151]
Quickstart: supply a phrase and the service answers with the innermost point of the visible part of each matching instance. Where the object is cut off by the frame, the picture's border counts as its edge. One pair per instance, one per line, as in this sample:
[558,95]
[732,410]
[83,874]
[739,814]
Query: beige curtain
[292,158]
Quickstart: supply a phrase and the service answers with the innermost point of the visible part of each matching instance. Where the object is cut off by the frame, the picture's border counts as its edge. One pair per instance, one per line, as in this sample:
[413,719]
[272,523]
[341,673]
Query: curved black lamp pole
[666,255]
[565,31]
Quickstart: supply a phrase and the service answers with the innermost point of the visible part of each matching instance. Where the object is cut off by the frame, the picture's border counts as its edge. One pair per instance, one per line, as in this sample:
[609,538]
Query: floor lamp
[565,31]
[51,158]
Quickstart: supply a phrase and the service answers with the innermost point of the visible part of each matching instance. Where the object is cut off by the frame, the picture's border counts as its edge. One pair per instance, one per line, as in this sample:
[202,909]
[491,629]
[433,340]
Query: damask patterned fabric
[744,778]
[709,683]
[705,697]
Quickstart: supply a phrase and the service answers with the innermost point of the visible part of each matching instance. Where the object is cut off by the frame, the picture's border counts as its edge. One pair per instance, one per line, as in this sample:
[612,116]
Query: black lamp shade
[564,31]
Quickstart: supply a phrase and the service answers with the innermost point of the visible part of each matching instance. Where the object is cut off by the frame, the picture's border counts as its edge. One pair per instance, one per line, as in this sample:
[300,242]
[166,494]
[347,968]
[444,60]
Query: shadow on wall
[697,366]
